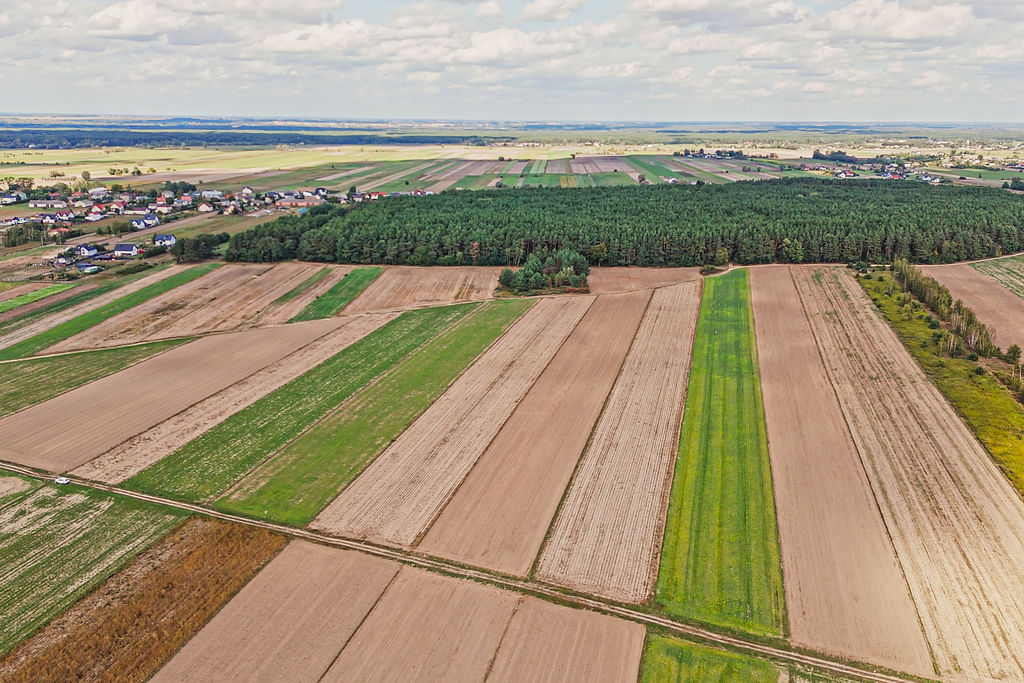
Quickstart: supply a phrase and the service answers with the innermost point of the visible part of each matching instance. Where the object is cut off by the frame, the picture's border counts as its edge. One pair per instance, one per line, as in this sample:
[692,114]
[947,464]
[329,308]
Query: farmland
[29,297]
[337,297]
[720,562]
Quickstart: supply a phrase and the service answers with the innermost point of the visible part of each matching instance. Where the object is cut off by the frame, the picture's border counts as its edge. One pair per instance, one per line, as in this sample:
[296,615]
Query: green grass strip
[26,382]
[331,302]
[303,287]
[29,297]
[83,322]
[720,562]
[207,466]
[989,409]
[669,660]
[65,542]
[297,483]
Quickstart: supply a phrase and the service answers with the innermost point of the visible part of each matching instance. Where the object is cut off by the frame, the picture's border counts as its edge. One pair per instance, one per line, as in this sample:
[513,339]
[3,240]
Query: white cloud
[550,10]
[488,9]
[890,20]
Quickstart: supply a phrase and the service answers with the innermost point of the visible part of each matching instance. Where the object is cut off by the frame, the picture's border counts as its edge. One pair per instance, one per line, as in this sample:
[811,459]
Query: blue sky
[667,60]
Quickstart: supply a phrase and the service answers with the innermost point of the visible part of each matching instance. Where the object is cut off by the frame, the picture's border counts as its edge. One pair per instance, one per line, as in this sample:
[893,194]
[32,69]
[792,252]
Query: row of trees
[660,225]
[563,268]
[189,249]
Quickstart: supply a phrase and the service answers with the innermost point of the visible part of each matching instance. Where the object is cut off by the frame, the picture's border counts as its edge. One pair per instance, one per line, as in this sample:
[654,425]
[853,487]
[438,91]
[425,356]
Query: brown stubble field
[993,303]
[955,522]
[607,537]
[498,517]
[845,591]
[401,287]
[391,501]
[611,279]
[71,429]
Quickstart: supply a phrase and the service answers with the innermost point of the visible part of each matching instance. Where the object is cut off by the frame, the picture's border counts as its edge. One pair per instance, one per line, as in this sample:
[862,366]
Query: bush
[979,370]
[973,357]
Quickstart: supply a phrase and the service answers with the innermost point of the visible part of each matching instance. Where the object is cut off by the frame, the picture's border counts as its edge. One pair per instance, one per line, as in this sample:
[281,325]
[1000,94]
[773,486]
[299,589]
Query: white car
[61,481]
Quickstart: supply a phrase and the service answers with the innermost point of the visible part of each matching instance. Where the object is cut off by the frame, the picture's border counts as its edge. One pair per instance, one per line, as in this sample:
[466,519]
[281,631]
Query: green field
[302,287]
[1009,272]
[33,380]
[331,302]
[57,544]
[207,466]
[612,179]
[298,482]
[669,660]
[29,297]
[720,561]
[83,322]
[981,400]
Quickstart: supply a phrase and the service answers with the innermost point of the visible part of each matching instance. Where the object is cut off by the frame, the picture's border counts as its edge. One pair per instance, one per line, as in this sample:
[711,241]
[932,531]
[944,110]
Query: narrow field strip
[30,297]
[207,466]
[955,521]
[83,322]
[1009,272]
[289,622]
[331,302]
[607,536]
[56,545]
[33,380]
[136,454]
[847,597]
[132,623]
[501,511]
[720,560]
[305,286]
[390,501]
[670,660]
[296,484]
[412,286]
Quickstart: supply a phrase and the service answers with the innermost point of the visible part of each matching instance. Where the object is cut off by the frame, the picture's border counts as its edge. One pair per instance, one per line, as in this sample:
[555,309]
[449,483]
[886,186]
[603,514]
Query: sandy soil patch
[400,287]
[392,501]
[845,591]
[276,315]
[627,279]
[498,517]
[71,429]
[551,643]
[12,485]
[993,303]
[51,321]
[607,537]
[139,452]
[956,523]
[288,623]
[427,627]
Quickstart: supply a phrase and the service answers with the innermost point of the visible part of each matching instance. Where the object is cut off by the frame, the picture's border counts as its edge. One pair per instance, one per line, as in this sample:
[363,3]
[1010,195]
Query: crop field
[57,544]
[994,290]
[720,561]
[669,660]
[332,301]
[402,287]
[618,279]
[29,297]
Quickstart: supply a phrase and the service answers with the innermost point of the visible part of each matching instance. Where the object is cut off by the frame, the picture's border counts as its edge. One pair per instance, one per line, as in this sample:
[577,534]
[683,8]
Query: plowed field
[409,286]
[607,280]
[988,297]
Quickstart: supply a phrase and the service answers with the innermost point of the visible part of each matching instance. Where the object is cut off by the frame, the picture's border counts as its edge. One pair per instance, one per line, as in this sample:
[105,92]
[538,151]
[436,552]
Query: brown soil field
[139,452]
[11,485]
[283,313]
[993,303]
[607,537]
[224,299]
[391,501]
[71,429]
[427,627]
[371,182]
[42,303]
[130,625]
[290,621]
[345,174]
[956,523]
[500,514]
[401,287]
[845,591]
[454,174]
[614,164]
[517,167]
[52,321]
[547,643]
[627,279]
[559,166]
[14,292]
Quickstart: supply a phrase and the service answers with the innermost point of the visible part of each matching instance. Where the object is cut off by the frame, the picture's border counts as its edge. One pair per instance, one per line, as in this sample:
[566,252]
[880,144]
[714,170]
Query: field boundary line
[504,634]
[554,593]
[447,502]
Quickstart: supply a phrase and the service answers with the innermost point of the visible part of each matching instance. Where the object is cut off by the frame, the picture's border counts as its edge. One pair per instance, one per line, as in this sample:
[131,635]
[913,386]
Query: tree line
[785,220]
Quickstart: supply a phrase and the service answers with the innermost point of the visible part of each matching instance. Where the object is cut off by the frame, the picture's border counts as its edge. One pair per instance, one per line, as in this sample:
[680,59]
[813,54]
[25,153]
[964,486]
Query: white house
[125,250]
[212,194]
[165,240]
[13,198]
[205,207]
[85,251]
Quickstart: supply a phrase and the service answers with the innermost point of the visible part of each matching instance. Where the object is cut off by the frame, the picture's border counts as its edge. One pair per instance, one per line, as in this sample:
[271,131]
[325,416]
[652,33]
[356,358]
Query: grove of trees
[563,268]
[787,220]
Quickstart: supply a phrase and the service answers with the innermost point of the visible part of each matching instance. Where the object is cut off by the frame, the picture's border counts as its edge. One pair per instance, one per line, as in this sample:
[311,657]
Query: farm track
[690,631]
[390,502]
[51,321]
[183,376]
[142,450]
[988,290]
[607,537]
[400,287]
[956,523]
[845,591]
[498,517]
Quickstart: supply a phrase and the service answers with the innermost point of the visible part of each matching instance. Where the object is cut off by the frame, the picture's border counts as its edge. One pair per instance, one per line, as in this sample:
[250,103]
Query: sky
[519,60]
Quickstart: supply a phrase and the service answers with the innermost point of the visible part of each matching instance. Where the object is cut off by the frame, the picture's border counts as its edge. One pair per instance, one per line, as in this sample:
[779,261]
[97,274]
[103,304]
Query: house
[87,268]
[86,251]
[93,217]
[117,207]
[299,203]
[167,194]
[138,224]
[125,250]
[47,219]
[151,219]
[47,204]
[98,192]
[320,192]
[82,203]
[164,210]
[165,240]
[97,208]
[205,207]
[248,191]
[67,215]
[212,194]
[12,198]
[136,211]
